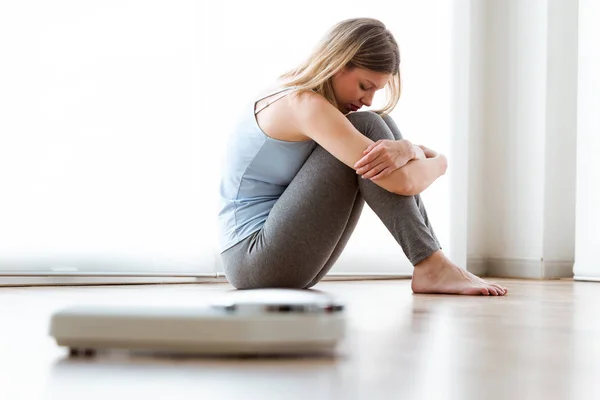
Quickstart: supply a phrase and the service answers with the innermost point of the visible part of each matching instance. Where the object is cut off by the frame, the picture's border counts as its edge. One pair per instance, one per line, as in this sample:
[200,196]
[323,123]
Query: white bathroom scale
[242,322]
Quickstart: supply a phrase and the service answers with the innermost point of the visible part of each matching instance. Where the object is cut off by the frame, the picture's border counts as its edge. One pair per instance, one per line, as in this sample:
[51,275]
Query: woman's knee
[363,118]
[389,121]
[370,124]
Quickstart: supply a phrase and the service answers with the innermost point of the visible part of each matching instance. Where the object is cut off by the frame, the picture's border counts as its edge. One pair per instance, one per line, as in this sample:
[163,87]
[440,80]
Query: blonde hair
[358,42]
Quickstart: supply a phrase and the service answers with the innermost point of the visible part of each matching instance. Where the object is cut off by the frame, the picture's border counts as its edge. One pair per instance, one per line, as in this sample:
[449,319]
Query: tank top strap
[281,93]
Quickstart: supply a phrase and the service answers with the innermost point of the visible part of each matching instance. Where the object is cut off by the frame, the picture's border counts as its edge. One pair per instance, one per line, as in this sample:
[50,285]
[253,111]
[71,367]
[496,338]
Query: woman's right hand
[384,157]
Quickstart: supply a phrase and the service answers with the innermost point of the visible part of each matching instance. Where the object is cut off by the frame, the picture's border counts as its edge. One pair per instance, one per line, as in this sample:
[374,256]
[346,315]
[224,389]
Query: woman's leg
[341,245]
[311,223]
[358,206]
[398,136]
[450,279]
[404,216]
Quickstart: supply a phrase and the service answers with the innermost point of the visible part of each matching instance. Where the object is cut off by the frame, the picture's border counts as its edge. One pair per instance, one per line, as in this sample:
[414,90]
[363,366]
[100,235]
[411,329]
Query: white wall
[587,245]
[521,197]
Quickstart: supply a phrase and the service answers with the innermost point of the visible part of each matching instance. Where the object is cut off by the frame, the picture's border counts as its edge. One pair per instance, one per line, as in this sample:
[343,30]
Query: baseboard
[348,276]
[586,278]
[42,280]
[529,269]
[477,266]
[558,269]
[586,270]
[496,267]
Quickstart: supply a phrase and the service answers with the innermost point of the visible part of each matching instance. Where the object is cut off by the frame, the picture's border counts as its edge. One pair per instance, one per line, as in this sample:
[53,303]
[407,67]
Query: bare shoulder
[281,119]
[308,105]
[306,100]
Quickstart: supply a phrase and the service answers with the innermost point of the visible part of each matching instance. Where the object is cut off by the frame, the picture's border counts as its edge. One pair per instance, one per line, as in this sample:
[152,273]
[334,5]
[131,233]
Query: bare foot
[437,274]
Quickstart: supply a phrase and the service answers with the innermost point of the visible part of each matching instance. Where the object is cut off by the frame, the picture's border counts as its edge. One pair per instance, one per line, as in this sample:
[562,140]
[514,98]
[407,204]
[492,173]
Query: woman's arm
[420,174]
[316,118]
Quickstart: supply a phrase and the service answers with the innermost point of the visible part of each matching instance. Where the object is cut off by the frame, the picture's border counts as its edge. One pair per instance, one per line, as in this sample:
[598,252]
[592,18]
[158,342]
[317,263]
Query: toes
[493,291]
[500,289]
[484,291]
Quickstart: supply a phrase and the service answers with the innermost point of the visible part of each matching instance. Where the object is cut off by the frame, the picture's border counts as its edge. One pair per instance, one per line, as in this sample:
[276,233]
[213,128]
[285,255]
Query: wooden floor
[542,341]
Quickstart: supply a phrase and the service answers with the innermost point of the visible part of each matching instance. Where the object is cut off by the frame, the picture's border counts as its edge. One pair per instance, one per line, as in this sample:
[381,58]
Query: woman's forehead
[377,78]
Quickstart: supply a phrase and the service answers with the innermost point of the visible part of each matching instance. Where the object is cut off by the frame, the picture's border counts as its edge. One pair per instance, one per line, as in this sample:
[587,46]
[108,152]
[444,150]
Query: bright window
[115,115]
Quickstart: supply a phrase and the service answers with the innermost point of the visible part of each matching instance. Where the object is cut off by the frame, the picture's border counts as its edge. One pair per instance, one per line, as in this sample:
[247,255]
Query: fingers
[372,146]
[374,171]
[364,164]
[382,174]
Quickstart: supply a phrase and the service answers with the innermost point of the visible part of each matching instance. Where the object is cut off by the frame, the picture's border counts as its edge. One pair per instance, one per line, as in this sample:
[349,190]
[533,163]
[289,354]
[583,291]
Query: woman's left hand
[384,157]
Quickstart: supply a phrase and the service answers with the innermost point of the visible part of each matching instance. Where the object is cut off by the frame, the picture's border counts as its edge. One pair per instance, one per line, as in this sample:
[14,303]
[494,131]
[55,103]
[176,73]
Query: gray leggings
[311,223]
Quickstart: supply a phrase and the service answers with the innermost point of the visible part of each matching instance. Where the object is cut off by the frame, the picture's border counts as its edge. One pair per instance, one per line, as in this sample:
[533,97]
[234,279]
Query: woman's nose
[367,100]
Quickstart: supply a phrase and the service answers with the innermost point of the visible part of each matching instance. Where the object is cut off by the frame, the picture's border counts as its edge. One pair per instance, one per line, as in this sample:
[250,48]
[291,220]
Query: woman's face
[356,87]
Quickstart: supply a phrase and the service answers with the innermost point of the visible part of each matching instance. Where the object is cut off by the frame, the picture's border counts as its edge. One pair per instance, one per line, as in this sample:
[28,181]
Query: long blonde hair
[358,42]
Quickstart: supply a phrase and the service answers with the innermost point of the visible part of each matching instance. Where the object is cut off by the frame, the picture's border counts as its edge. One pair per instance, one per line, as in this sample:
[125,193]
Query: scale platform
[242,322]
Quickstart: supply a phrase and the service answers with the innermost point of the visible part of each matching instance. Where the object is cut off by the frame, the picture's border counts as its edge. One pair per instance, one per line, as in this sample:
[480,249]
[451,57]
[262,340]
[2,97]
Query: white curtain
[520,108]
[115,115]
